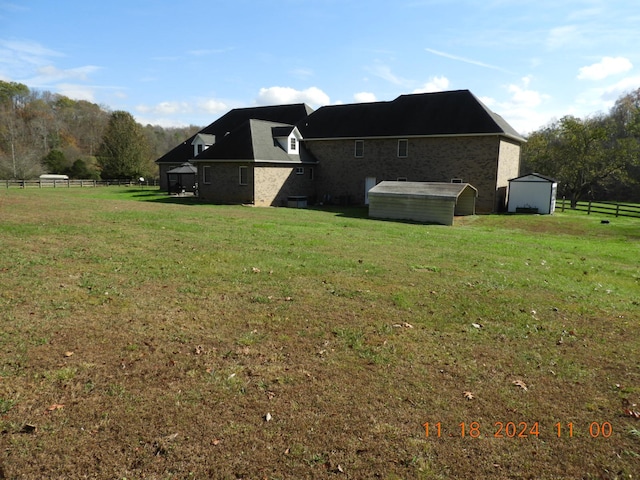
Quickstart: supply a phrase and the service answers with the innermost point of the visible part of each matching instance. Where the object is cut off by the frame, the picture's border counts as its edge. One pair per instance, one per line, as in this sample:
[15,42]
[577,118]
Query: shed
[182,179]
[429,202]
[532,193]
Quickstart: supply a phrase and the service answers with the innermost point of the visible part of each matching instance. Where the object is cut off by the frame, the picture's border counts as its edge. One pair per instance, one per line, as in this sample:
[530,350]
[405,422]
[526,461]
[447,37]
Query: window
[456,180]
[243,174]
[310,173]
[200,148]
[403,148]
[293,144]
[206,174]
[359,149]
[299,170]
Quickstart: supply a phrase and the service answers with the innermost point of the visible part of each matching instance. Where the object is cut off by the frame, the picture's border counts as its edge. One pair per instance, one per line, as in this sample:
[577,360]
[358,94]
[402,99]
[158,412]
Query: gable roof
[253,141]
[537,177]
[428,114]
[185,168]
[441,190]
[286,114]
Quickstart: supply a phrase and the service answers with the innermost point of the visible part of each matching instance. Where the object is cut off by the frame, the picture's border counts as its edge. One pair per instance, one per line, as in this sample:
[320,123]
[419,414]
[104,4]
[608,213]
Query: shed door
[369,183]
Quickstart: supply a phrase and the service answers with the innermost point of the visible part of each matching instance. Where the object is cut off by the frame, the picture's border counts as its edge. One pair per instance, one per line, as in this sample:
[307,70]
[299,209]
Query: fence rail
[50,183]
[602,208]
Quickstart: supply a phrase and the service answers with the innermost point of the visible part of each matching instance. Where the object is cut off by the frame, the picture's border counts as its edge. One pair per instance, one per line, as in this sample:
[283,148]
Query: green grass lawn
[147,336]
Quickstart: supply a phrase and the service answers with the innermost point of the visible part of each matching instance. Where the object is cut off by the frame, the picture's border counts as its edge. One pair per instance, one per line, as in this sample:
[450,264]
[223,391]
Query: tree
[17,158]
[56,162]
[124,149]
[580,154]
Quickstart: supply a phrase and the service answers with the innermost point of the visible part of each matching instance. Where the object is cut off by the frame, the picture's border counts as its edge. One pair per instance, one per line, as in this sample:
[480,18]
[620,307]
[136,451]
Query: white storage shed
[532,193]
[429,202]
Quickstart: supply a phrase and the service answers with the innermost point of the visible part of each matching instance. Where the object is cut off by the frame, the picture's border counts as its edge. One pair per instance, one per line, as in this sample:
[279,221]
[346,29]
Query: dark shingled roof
[429,114]
[286,114]
[253,141]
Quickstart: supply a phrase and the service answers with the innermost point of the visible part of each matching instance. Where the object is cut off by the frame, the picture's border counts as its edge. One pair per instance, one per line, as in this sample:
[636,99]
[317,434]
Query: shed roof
[422,189]
[537,176]
[456,112]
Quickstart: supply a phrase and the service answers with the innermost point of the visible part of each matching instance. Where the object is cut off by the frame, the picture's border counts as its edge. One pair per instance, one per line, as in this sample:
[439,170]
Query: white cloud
[284,95]
[165,108]
[435,84]
[560,36]
[524,108]
[50,74]
[302,72]
[384,72]
[365,97]
[465,60]
[213,106]
[605,68]
[76,92]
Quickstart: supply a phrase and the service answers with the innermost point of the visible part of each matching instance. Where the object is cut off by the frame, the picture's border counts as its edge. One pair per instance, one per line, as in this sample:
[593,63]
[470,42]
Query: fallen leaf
[55,406]
[402,325]
[469,395]
[632,413]
[255,270]
[198,350]
[340,469]
[268,417]
[476,325]
[521,384]
[68,354]
[215,442]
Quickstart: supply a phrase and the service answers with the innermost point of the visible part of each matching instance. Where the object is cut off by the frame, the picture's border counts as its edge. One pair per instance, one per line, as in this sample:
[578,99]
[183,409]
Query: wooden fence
[602,208]
[49,183]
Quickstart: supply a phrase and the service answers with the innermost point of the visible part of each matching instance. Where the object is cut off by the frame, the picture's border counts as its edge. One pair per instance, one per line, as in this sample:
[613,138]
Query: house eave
[442,135]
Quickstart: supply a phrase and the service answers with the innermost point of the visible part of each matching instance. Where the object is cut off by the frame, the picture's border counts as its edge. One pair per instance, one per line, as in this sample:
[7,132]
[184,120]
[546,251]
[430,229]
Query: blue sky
[188,62]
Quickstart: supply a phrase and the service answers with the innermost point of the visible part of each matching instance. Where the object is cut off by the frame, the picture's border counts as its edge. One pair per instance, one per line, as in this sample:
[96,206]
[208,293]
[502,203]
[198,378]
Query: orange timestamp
[516,430]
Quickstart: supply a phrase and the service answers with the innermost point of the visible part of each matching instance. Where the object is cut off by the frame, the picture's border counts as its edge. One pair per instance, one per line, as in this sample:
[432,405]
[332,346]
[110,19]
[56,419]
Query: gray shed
[429,202]
[532,193]
[182,179]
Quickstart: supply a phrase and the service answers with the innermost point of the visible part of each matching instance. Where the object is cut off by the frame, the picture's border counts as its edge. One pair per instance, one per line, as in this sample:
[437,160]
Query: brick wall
[437,159]
[225,183]
[275,183]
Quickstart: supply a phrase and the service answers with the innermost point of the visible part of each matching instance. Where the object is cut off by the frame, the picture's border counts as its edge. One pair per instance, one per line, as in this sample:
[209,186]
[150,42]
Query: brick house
[342,151]
[208,136]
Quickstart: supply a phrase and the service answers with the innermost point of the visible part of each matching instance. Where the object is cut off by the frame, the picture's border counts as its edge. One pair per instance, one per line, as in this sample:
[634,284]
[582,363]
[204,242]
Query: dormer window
[293,144]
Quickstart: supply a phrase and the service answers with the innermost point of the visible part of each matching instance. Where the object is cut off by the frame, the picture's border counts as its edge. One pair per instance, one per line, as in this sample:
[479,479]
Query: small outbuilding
[428,202]
[182,179]
[532,193]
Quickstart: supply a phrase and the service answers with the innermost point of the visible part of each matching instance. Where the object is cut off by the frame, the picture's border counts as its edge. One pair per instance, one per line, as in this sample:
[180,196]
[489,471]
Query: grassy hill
[144,336]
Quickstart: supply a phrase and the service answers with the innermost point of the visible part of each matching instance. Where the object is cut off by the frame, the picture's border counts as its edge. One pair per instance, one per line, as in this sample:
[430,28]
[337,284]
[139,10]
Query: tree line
[596,158]
[43,132]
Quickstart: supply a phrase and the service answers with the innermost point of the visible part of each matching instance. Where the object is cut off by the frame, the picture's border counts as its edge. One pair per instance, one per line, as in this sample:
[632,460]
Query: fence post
[563,200]
[617,209]
[589,208]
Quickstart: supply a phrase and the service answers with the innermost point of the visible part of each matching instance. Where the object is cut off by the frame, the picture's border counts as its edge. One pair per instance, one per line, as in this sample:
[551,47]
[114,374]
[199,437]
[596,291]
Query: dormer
[288,137]
[201,142]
